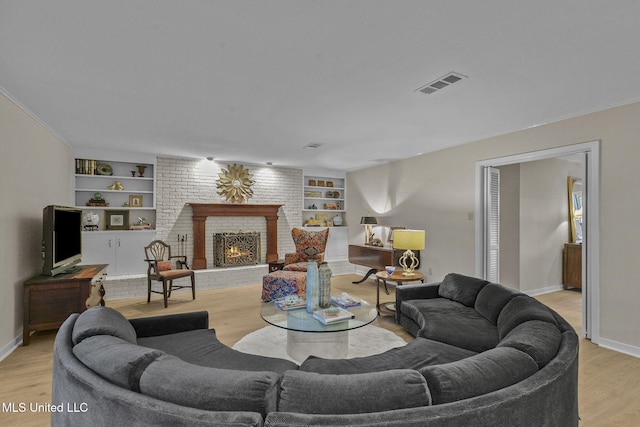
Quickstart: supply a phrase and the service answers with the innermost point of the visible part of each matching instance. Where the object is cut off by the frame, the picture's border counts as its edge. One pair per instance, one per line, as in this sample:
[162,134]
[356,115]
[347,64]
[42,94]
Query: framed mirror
[574,187]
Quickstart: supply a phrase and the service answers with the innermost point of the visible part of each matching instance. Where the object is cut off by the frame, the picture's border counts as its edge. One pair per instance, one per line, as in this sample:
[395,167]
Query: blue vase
[312,286]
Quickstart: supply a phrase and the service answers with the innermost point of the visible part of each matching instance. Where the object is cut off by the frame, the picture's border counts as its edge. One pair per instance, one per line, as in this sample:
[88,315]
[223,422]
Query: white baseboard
[620,347]
[10,347]
[541,291]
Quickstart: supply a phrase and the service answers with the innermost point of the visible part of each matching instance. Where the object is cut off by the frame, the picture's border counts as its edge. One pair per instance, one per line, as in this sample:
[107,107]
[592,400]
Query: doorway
[590,267]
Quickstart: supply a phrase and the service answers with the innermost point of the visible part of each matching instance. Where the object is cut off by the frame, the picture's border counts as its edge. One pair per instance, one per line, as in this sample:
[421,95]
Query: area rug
[272,341]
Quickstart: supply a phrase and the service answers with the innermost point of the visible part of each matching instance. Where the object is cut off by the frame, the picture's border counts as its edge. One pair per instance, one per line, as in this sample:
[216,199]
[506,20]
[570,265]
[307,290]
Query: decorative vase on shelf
[324,281]
[312,286]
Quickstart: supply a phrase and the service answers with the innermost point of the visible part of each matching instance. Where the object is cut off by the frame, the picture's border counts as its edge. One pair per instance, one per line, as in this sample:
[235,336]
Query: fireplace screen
[235,249]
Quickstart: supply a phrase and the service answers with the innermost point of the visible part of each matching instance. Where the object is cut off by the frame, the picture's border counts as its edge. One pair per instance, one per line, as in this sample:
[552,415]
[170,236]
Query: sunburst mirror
[235,183]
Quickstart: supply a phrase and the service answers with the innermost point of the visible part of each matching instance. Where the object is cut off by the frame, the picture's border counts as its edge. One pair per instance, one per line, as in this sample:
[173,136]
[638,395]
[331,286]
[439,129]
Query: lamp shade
[408,239]
[369,220]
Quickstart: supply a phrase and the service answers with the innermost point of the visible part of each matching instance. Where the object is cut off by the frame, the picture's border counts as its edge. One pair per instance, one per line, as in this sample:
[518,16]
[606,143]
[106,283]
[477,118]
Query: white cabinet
[122,250]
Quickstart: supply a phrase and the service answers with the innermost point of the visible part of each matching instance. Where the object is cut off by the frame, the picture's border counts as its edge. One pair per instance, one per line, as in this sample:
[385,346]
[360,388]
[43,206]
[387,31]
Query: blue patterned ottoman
[280,283]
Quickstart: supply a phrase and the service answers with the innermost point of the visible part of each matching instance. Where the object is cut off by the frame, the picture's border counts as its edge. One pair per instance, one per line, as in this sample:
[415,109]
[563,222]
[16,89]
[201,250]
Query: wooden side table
[384,309]
[276,265]
[49,300]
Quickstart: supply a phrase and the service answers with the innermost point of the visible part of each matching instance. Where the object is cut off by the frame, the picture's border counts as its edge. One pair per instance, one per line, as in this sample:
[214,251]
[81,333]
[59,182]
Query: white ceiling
[256,80]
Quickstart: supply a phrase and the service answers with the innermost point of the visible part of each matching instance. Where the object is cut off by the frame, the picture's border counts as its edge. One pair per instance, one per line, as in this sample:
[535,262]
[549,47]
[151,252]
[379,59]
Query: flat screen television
[61,239]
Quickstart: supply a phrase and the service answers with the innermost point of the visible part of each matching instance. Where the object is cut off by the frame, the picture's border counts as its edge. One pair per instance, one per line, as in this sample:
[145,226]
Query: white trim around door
[591,245]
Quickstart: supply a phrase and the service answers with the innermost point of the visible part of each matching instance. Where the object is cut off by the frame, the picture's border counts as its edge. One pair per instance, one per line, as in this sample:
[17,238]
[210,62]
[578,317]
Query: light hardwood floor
[609,382]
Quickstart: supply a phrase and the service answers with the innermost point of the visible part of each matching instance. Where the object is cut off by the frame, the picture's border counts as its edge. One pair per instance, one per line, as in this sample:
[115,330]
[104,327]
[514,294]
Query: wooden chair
[162,269]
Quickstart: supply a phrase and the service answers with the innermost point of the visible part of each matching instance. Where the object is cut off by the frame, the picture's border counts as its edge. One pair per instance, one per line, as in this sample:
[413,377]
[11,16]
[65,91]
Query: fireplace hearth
[236,249]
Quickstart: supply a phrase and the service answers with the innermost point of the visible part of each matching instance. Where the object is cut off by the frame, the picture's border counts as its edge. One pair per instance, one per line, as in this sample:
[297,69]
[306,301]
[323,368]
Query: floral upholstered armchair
[310,245]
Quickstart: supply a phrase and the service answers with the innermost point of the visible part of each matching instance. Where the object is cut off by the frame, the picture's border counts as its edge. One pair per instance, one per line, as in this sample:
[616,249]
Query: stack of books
[331,315]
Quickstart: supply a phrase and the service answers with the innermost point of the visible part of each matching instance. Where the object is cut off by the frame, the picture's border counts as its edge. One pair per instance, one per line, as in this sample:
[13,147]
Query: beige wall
[436,191]
[35,169]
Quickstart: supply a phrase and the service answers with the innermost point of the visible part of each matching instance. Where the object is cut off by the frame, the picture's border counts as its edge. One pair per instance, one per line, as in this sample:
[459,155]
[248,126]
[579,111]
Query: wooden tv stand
[49,300]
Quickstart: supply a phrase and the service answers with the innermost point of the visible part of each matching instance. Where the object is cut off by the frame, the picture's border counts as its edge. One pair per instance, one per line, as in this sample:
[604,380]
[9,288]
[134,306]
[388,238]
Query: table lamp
[409,240]
[368,222]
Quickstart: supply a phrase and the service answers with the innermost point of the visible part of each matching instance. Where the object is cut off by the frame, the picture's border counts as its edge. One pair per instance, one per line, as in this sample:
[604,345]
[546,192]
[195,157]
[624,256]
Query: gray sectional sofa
[483,355]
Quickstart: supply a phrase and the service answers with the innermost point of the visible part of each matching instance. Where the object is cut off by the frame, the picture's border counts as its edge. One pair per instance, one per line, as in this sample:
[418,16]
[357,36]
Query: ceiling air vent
[313,146]
[441,83]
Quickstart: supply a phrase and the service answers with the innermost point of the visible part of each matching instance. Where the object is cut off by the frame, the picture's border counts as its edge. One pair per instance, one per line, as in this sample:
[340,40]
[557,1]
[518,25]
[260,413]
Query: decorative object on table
[90,221]
[116,186]
[312,286]
[368,222]
[116,220]
[377,242]
[345,300]
[290,302]
[235,183]
[141,169]
[390,269]
[97,200]
[337,220]
[408,240]
[324,280]
[104,169]
[135,201]
[328,316]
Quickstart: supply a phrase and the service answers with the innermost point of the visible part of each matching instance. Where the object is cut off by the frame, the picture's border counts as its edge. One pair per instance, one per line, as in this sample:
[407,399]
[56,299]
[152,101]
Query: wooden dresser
[572,266]
[49,300]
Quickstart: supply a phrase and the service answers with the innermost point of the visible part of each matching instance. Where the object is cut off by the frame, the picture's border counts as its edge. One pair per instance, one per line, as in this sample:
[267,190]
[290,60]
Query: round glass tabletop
[302,321]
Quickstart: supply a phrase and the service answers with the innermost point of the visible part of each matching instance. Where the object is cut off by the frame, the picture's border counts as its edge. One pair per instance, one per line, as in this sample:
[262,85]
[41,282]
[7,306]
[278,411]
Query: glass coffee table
[306,336]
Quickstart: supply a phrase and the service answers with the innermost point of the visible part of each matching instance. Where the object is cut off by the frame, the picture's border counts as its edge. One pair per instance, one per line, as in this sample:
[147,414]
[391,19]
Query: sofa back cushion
[116,360]
[311,393]
[492,299]
[521,309]
[538,339]
[171,379]
[463,289]
[477,375]
[102,321]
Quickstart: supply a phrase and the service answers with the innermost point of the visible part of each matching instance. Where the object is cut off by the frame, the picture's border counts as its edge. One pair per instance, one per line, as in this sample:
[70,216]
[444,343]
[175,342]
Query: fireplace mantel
[201,211]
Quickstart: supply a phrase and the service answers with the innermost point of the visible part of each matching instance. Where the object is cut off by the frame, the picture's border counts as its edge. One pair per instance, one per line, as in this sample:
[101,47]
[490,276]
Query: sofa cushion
[419,353]
[463,289]
[311,393]
[116,360]
[201,347]
[480,374]
[538,339]
[450,322]
[522,309]
[102,321]
[173,380]
[492,299]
